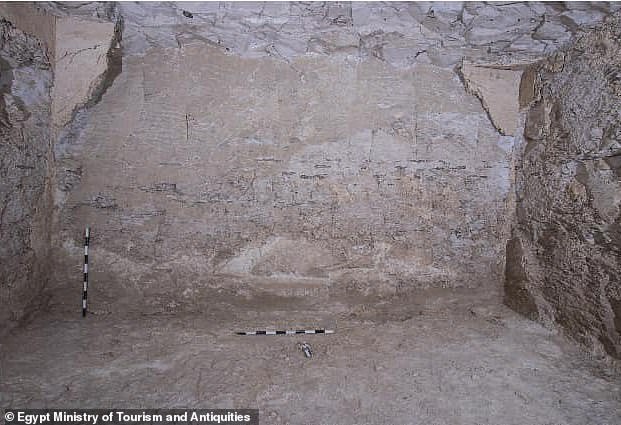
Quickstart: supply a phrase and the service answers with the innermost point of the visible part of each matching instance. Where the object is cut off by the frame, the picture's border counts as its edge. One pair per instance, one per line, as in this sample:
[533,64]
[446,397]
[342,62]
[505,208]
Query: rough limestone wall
[298,148]
[564,260]
[199,167]
[25,157]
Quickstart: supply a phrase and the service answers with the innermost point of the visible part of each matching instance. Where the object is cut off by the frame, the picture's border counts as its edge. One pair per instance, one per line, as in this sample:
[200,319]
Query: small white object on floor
[306,348]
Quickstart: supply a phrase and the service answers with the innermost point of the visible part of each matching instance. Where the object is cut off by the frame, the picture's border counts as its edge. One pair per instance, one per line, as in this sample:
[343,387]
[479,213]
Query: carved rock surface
[294,147]
[211,170]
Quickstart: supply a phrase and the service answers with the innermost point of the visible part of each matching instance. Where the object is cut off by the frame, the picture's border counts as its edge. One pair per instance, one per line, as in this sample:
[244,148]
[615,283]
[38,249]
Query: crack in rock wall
[564,260]
[25,171]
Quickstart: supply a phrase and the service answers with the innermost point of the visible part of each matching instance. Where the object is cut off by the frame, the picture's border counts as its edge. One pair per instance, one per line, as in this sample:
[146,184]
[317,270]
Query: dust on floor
[448,358]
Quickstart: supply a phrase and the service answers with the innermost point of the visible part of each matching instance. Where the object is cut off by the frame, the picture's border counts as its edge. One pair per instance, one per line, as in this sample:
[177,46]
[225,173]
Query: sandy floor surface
[445,358]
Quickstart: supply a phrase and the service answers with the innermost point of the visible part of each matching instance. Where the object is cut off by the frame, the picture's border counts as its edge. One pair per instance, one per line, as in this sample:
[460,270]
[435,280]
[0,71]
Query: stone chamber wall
[308,149]
[202,170]
[564,259]
[25,171]
[318,163]
[301,149]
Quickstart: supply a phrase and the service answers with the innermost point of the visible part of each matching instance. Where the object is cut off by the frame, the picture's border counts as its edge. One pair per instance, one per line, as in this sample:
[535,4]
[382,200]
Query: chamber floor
[427,358]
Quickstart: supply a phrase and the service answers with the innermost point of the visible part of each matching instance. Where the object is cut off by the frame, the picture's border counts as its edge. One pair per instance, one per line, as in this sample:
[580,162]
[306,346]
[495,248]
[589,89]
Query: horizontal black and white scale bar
[292,332]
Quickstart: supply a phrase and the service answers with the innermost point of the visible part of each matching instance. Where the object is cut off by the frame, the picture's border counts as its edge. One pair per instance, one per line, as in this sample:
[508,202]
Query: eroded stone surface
[40,53]
[78,49]
[25,166]
[399,33]
[565,259]
[32,19]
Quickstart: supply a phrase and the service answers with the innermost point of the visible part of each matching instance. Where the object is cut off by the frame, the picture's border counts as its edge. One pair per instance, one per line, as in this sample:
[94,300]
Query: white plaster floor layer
[449,357]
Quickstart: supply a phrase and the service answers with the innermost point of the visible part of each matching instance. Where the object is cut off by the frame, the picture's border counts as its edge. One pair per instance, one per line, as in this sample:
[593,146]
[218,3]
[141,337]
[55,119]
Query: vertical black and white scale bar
[87,236]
